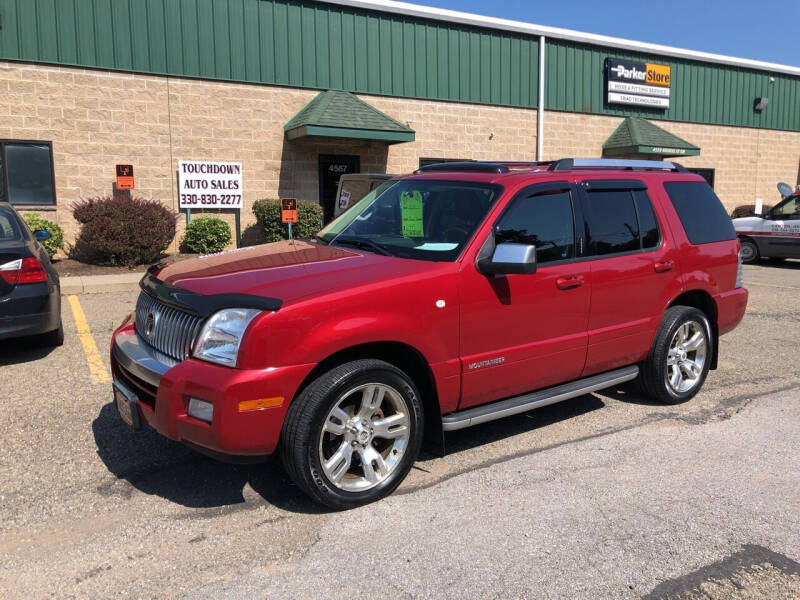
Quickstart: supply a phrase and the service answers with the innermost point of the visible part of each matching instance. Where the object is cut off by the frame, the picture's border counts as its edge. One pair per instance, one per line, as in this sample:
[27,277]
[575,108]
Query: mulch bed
[67,267]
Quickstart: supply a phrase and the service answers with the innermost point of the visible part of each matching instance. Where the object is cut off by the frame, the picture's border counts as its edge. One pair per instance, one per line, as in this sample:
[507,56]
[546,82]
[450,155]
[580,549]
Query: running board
[526,402]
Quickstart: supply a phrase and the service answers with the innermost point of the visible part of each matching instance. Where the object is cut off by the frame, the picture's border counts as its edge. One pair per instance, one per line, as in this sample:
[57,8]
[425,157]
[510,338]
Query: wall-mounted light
[760,103]
[491,135]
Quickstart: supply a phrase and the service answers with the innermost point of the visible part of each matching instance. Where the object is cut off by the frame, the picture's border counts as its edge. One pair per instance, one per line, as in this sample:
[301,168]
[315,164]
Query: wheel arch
[409,360]
[702,301]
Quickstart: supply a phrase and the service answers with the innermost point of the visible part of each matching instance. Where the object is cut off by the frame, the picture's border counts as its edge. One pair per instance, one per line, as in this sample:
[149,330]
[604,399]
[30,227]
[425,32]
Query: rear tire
[679,360]
[352,435]
[750,252]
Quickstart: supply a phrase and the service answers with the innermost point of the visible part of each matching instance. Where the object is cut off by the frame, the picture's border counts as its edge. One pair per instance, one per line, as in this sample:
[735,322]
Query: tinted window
[9,229]
[544,221]
[703,217]
[648,226]
[28,171]
[612,222]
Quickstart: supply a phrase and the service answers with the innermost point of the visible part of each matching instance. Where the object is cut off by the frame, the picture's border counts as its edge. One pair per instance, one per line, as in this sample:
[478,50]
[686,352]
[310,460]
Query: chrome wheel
[687,357]
[364,437]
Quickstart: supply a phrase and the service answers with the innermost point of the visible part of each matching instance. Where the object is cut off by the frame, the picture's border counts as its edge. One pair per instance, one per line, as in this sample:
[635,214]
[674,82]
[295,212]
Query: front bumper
[164,387]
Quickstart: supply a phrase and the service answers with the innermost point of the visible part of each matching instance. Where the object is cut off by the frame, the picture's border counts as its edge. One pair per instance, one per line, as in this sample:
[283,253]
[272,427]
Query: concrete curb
[95,284]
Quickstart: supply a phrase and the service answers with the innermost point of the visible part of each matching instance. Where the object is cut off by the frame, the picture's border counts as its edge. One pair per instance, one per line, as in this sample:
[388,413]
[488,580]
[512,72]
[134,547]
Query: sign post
[289,212]
[211,184]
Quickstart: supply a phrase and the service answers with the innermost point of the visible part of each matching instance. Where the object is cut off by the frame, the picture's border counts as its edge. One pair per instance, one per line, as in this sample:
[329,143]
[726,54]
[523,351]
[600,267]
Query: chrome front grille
[170,331]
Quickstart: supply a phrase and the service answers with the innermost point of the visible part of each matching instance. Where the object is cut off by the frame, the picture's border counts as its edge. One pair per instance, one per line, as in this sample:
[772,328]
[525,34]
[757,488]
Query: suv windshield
[414,218]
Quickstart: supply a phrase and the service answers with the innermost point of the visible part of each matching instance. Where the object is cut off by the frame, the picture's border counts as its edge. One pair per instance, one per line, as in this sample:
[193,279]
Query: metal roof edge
[453,16]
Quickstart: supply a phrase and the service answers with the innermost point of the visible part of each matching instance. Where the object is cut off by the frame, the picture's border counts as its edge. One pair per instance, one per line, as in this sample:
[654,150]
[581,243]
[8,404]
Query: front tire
[679,360]
[352,435]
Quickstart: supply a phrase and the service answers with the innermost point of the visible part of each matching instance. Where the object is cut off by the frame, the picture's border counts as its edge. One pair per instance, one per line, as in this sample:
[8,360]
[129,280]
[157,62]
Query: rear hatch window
[703,217]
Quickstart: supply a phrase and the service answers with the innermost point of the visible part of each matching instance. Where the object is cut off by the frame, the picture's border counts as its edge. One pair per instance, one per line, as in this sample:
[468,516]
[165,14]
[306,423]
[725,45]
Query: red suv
[461,294]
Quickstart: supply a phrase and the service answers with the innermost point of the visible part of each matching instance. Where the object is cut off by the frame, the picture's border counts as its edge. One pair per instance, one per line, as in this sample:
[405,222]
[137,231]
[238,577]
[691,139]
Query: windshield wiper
[362,243]
[321,240]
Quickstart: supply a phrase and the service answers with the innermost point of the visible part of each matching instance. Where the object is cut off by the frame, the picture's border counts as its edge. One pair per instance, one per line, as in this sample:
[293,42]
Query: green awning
[336,114]
[640,136]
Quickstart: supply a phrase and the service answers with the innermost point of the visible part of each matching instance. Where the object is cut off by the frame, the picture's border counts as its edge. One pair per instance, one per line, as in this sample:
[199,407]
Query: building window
[26,173]
[707,174]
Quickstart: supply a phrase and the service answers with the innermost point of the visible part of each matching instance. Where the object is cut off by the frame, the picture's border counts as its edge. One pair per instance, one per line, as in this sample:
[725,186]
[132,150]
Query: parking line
[97,369]
[772,285]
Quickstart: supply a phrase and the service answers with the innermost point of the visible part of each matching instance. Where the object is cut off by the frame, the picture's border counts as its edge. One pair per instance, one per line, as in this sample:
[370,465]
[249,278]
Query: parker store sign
[637,83]
[209,184]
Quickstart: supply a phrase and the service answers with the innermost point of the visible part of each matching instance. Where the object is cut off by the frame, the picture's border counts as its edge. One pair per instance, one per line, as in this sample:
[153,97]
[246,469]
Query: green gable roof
[343,115]
[639,136]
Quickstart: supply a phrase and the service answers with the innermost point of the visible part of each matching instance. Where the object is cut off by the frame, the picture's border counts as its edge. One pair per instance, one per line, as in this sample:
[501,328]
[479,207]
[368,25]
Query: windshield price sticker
[411,214]
[209,184]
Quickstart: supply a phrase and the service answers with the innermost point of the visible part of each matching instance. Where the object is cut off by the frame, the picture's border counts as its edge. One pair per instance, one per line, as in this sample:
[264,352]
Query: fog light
[200,409]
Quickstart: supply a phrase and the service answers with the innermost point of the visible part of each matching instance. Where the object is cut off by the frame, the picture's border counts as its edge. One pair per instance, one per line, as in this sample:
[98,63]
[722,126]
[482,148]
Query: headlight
[220,337]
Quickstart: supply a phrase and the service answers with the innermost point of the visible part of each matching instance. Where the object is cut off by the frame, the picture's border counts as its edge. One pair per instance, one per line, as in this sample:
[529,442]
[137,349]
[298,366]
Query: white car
[775,235]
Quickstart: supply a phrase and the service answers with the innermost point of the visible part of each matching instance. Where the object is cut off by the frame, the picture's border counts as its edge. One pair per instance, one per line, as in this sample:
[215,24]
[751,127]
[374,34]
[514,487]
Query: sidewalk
[95,284]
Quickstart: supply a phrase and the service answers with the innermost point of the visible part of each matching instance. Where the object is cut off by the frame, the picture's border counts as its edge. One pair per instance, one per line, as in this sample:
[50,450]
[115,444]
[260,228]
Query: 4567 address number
[211,199]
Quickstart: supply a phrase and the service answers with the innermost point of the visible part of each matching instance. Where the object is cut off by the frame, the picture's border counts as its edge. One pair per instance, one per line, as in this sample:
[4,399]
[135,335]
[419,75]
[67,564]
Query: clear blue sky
[758,29]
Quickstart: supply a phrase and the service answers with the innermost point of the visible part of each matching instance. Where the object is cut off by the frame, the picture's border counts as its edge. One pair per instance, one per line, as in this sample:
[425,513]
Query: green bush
[206,235]
[268,215]
[56,242]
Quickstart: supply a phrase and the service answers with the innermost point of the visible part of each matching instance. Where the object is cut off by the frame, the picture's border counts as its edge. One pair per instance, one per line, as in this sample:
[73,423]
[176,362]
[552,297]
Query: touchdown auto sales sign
[637,83]
[209,184]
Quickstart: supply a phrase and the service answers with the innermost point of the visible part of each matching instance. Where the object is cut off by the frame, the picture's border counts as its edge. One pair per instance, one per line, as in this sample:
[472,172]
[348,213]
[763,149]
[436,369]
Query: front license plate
[126,400]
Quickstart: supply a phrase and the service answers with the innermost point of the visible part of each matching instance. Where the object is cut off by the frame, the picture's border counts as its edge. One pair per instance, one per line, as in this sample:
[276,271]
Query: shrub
[122,231]
[268,215]
[56,242]
[749,210]
[205,235]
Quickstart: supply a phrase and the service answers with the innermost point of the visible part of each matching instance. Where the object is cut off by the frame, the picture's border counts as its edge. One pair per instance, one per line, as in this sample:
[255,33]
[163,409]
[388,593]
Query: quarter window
[701,213]
[26,173]
[648,226]
[545,221]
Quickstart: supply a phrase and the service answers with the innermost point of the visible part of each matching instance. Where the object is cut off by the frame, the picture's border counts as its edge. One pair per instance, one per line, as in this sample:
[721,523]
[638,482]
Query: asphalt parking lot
[604,496]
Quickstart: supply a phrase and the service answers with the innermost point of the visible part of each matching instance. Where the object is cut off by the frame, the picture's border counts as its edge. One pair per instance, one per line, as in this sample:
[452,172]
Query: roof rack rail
[484,166]
[569,164]
[469,167]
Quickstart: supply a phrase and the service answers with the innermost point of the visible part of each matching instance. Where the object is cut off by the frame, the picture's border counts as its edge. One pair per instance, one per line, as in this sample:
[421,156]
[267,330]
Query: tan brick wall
[740,177]
[96,119]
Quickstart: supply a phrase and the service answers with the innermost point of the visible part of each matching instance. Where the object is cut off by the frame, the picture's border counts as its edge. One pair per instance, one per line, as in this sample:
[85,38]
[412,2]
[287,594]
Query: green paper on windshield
[411,214]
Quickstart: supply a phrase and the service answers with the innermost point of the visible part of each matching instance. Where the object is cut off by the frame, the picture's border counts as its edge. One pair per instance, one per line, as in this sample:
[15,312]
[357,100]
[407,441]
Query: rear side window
[703,217]
[545,221]
[621,221]
[9,229]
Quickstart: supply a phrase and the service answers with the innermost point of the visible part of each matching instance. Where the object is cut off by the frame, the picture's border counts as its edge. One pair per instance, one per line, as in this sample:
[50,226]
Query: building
[299,92]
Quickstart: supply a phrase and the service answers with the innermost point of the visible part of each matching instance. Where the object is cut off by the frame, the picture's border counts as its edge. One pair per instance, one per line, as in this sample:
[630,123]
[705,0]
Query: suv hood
[289,270]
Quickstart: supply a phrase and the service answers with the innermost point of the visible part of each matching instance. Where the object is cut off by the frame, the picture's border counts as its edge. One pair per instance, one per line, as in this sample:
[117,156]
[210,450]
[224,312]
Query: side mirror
[510,259]
[42,235]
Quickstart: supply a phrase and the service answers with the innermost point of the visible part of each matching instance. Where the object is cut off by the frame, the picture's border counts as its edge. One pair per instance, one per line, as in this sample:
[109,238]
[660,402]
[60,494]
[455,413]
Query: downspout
[540,105]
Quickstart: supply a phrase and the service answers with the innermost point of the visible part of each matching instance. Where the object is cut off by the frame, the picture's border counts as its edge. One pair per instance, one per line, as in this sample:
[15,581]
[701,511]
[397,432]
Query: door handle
[570,282]
[664,266]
